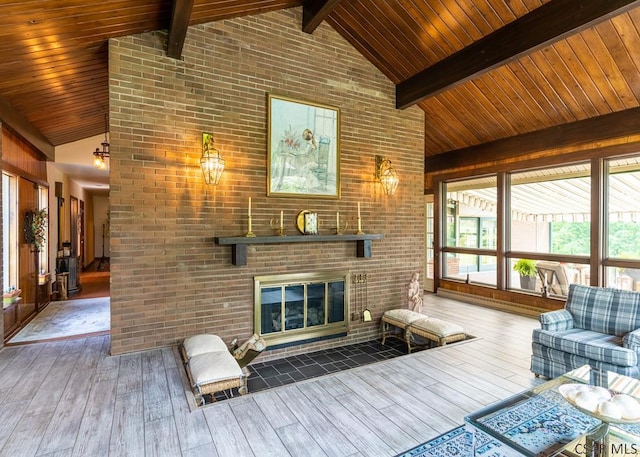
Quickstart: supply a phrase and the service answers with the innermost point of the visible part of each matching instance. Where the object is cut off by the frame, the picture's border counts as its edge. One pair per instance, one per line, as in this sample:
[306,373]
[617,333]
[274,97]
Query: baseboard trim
[502,305]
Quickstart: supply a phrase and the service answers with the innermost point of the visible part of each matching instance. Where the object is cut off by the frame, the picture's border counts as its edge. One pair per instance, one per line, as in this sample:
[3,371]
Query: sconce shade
[211,163]
[387,175]
[389,180]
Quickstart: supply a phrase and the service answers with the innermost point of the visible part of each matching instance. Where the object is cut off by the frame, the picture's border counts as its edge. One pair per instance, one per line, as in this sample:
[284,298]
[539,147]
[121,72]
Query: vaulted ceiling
[482,70]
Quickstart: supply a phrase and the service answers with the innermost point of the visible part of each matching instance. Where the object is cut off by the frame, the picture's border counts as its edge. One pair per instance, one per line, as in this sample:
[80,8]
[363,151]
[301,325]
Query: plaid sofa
[598,326]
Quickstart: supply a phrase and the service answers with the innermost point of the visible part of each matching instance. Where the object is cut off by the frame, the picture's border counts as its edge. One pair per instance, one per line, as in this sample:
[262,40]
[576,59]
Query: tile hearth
[276,373]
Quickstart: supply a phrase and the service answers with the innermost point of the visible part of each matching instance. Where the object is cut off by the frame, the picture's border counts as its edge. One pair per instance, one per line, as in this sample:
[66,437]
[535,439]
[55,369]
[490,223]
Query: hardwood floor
[95,281]
[71,398]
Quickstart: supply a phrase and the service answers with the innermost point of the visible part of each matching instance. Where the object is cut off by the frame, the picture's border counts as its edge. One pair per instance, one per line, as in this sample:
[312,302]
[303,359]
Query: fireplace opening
[294,308]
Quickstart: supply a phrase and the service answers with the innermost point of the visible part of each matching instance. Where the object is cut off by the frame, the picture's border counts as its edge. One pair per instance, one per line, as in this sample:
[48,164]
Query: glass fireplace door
[300,307]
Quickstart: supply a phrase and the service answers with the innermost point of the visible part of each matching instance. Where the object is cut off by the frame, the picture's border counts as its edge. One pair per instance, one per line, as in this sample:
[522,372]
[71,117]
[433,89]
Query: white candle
[338,220]
[281,220]
[249,206]
[545,278]
[358,210]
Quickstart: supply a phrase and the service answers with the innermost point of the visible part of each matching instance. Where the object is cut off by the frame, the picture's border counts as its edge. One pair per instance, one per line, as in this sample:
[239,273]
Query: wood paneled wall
[19,157]
[28,164]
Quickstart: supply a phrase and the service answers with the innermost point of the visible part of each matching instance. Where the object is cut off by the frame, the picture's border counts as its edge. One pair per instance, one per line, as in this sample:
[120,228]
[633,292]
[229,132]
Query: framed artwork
[304,149]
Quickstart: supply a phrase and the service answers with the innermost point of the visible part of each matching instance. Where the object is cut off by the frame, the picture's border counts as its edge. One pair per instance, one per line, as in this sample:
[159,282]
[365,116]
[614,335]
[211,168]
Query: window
[623,224]
[429,236]
[549,227]
[550,210]
[43,202]
[551,214]
[471,230]
[10,231]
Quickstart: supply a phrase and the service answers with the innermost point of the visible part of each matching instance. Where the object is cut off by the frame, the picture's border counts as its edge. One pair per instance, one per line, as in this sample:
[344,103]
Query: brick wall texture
[168,278]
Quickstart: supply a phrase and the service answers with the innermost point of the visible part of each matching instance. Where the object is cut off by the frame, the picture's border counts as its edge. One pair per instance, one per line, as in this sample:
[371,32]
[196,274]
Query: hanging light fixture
[387,175]
[211,163]
[98,155]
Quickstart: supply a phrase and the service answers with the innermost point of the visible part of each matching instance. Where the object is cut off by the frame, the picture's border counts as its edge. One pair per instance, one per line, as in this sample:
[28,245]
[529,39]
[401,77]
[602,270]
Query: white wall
[100,212]
[55,175]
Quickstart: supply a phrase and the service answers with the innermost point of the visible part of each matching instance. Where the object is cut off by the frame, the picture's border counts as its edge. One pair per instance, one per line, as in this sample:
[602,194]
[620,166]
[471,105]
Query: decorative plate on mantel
[307,222]
[300,220]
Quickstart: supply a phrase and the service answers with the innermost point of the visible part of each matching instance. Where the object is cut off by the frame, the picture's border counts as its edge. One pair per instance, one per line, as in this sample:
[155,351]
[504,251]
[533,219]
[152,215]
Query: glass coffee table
[542,422]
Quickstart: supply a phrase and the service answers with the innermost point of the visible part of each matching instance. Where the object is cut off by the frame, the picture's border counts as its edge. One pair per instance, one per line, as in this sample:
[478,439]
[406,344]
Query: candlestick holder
[277,226]
[342,228]
[359,232]
[249,234]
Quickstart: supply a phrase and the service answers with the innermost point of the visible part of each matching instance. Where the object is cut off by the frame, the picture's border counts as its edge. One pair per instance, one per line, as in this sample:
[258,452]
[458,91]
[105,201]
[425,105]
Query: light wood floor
[70,398]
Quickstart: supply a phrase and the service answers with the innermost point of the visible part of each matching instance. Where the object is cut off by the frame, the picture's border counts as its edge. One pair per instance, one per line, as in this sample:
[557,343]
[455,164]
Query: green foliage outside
[573,238]
[624,240]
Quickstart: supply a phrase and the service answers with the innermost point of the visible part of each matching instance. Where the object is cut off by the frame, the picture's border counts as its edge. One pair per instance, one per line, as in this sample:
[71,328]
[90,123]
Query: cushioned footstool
[437,330]
[201,344]
[211,367]
[395,321]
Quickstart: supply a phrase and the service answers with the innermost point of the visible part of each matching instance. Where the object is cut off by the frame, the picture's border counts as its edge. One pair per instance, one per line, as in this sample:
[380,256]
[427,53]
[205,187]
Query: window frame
[596,262]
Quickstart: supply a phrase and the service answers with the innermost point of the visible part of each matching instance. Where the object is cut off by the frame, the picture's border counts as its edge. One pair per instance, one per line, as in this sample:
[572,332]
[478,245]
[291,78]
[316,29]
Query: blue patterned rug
[456,443]
[543,424]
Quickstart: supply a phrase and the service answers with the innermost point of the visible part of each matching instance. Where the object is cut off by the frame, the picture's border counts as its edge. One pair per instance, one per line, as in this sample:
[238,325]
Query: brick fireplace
[169,278]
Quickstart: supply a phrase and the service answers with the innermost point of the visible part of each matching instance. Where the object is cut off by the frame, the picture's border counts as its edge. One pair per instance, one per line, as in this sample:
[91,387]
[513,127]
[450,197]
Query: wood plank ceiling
[53,70]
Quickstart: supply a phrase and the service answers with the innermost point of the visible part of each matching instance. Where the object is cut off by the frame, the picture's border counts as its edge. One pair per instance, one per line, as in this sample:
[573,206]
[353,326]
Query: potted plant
[526,268]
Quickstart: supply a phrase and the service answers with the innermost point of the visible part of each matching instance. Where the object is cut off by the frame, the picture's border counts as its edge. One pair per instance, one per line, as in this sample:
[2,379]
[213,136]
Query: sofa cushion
[560,319]
[632,340]
[605,310]
[589,344]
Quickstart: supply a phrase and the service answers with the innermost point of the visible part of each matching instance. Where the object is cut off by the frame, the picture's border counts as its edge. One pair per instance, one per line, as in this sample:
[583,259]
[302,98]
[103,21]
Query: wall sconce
[387,175]
[98,155]
[211,163]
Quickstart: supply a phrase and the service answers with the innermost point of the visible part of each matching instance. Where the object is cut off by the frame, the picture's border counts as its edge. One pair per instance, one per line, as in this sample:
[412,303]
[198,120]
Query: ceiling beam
[180,17]
[314,12]
[588,131]
[16,121]
[541,27]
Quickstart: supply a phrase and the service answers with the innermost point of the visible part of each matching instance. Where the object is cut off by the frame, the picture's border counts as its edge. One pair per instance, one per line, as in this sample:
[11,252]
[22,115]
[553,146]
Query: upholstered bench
[395,322]
[211,367]
[437,330]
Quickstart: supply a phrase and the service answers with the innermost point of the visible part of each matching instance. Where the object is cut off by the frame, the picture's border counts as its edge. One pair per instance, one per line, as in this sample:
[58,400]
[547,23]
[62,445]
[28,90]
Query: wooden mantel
[239,243]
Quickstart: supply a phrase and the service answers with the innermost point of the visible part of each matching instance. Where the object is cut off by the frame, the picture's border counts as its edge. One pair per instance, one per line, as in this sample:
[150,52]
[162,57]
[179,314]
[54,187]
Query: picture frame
[303,149]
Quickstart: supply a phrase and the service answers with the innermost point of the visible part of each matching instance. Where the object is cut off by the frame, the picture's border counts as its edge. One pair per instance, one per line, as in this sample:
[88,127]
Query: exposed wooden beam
[541,27]
[314,12]
[12,118]
[608,126]
[180,17]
